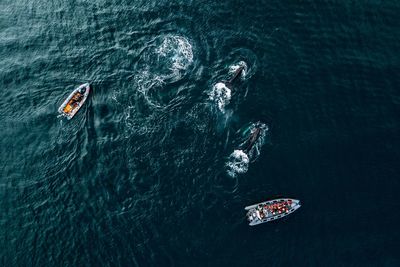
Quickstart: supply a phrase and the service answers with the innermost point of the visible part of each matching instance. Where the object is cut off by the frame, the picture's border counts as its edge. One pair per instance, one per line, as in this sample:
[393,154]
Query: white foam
[177,50]
[234,67]
[238,163]
[221,95]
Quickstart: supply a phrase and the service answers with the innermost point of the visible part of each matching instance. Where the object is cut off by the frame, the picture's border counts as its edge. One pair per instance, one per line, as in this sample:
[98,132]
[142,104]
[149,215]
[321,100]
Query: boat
[271,210]
[74,101]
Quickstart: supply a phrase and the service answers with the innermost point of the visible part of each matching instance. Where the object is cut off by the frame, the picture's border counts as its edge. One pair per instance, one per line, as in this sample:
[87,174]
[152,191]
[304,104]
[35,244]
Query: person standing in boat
[78,96]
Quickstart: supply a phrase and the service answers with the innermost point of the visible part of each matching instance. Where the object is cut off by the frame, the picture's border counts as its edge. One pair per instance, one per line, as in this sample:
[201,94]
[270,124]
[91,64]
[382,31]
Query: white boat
[74,101]
[271,210]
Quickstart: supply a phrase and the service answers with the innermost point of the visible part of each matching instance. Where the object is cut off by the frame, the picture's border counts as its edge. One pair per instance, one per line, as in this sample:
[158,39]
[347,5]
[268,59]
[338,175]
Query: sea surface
[149,172]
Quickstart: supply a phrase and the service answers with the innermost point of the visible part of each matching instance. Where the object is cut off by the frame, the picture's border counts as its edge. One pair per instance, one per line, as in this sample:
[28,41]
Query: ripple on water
[166,61]
[157,82]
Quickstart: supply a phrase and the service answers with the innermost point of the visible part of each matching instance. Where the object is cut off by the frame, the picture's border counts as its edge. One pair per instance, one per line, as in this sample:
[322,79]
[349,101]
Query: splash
[234,67]
[242,57]
[238,163]
[220,95]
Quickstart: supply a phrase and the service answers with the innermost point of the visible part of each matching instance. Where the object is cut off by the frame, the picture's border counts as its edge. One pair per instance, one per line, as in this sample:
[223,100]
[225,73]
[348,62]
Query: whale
[235,77]
[251,141]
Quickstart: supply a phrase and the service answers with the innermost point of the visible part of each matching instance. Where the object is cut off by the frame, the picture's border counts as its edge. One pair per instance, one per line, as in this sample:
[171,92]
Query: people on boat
[260,212]
[270,210]
[76,98]
[281,207]
[263,211]
[73,102]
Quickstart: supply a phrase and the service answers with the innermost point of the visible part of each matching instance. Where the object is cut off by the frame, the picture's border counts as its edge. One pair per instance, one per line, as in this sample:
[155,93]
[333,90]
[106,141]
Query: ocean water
[140,176]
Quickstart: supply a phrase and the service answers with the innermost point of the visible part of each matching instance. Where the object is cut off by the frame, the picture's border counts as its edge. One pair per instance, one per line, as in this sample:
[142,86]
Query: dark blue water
[139,176]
